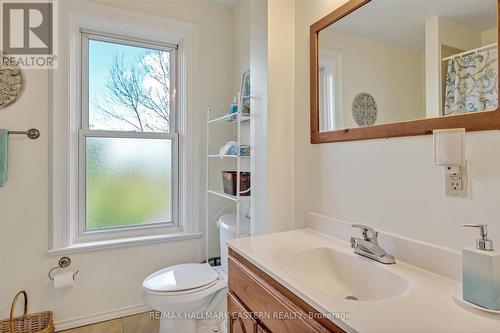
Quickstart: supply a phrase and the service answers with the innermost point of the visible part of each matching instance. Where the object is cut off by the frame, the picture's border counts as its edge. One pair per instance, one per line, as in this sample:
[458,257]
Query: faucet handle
[368,233]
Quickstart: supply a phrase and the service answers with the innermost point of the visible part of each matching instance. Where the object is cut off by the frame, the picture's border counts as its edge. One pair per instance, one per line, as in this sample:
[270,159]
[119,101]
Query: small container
[244,150]
[229,182]
[481,271]
[234,107]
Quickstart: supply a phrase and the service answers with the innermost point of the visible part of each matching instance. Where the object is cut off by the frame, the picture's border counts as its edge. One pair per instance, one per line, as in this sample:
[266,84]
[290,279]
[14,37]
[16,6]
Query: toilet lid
[181,277]
[228,222]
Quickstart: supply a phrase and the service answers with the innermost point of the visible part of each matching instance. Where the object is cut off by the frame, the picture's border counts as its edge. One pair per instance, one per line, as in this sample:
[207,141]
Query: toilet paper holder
[64,262]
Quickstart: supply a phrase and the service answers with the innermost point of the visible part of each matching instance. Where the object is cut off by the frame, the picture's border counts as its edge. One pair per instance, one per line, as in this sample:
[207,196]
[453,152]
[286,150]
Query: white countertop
[426,307]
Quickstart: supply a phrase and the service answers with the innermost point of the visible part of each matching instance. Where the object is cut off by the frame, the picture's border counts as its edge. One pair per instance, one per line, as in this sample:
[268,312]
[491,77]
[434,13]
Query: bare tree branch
[140,90]
[115,115]
[157,69]
[124,87]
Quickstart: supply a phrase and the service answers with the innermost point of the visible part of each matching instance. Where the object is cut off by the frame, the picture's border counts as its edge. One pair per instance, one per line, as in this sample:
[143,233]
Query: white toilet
[184,292]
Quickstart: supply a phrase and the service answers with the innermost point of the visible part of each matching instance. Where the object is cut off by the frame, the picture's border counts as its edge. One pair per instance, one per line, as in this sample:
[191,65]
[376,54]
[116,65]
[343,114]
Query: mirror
[390,61]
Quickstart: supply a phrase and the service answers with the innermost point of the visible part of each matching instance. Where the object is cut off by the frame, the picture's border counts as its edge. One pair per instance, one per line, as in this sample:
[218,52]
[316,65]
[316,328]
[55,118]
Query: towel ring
[64,262]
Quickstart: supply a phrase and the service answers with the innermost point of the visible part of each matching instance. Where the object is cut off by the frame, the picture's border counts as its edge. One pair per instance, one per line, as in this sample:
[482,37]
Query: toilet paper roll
[64,280]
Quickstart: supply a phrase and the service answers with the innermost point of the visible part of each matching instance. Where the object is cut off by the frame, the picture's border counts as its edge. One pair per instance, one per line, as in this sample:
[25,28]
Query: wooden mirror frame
[479,121]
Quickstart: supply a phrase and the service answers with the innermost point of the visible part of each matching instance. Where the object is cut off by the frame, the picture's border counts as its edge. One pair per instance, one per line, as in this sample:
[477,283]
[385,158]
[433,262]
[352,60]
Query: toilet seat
[209,298]
[180,278]
[187,295]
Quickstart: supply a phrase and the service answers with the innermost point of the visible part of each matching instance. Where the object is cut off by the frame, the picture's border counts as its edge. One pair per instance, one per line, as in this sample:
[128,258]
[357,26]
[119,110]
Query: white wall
[259,109]
[109,279]
[391,74]
[281,107]
[392,184]
[272,103]
[241,41]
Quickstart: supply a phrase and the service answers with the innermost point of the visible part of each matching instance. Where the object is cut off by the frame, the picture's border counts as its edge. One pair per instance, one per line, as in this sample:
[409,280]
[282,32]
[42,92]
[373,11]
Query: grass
[126,188]
[122,201]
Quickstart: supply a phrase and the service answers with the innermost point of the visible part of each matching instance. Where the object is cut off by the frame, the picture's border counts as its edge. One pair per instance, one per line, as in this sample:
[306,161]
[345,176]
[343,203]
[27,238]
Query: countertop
[425,307]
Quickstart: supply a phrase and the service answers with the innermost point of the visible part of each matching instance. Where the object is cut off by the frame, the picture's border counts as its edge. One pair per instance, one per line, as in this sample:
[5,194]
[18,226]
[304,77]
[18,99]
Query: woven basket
[40,322]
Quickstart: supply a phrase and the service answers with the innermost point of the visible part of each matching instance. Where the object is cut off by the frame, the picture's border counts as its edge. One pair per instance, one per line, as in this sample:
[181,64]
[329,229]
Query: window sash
[80,232]
[87,35]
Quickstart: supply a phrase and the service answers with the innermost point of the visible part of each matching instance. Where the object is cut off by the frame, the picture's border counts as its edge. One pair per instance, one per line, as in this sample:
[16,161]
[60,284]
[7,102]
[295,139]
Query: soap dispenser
[481,271]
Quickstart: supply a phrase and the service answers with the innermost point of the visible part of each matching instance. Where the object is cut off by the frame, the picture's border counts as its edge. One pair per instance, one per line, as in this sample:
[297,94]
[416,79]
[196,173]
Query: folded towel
[4,154]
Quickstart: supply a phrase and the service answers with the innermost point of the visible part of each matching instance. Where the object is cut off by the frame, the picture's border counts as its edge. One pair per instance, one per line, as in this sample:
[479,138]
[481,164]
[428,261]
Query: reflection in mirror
[392,61]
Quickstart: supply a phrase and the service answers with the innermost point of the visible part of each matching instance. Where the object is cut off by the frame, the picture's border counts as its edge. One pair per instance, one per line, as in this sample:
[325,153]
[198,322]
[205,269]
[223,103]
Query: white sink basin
[339,274]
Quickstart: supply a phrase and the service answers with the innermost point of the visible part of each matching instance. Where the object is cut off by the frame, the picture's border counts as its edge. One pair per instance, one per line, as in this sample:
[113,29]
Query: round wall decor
[11,82]
[364,109]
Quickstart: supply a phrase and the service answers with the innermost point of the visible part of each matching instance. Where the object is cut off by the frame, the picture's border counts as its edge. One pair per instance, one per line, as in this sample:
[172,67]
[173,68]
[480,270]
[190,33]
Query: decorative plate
[11,82]
[364,109]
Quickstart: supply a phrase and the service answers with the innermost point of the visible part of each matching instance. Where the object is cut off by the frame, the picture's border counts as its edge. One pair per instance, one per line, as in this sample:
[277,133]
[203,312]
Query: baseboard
[100,317]
[437,259]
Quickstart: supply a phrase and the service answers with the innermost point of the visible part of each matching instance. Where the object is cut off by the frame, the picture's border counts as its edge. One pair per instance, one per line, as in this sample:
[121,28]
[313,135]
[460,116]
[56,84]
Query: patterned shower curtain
[471,83]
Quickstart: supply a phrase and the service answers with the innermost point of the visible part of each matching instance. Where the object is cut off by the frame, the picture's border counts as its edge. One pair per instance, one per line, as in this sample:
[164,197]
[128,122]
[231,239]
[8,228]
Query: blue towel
[4,154]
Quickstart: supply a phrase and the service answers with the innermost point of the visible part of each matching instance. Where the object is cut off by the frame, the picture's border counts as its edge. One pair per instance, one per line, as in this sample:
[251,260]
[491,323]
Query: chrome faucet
[368,246]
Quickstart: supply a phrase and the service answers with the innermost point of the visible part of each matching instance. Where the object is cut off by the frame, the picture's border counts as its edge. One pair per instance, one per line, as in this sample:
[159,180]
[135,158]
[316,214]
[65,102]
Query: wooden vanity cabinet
[259,304]
[240,320]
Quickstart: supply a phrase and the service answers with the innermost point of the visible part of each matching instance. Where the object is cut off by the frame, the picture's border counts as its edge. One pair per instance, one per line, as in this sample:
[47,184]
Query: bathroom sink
[340,274]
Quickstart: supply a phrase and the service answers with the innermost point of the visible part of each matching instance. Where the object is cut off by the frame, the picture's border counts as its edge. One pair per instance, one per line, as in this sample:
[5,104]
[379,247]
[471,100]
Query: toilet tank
[227,231]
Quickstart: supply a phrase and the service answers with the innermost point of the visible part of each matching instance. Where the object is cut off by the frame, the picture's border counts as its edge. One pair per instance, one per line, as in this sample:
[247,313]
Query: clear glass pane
[129,87]
[128,182]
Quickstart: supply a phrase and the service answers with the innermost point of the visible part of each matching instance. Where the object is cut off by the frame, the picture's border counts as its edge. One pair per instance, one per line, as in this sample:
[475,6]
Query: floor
[141,323]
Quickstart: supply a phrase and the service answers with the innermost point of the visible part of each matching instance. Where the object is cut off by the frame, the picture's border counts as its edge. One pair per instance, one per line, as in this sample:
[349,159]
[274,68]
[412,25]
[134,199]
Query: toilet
[227,231]
[185,293]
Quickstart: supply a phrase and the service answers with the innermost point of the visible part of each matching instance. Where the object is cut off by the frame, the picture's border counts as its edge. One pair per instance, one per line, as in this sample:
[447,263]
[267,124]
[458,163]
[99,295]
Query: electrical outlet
[456,181]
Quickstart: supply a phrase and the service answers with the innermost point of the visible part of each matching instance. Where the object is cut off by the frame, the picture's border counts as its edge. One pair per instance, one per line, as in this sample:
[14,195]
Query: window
[128,135]
[331,91]
[125,137]
[127,164]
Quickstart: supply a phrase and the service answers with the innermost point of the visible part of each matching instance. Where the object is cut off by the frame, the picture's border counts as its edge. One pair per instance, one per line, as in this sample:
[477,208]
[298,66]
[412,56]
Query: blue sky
[100,59]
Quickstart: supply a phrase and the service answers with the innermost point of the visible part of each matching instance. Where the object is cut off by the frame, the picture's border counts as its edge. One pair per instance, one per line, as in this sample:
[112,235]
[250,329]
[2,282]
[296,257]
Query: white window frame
[85,132]
[68,134]
[330,62]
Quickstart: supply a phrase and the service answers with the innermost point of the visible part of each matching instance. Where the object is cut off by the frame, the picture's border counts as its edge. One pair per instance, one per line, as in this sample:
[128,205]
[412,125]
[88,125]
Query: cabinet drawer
[275,310]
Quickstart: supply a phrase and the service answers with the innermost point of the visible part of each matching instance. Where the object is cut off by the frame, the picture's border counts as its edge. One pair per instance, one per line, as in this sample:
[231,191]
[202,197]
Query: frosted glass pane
[128,87]
[129,182]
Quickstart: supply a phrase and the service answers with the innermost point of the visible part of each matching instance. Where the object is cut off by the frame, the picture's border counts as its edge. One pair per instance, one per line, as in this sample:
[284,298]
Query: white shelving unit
[230,120]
